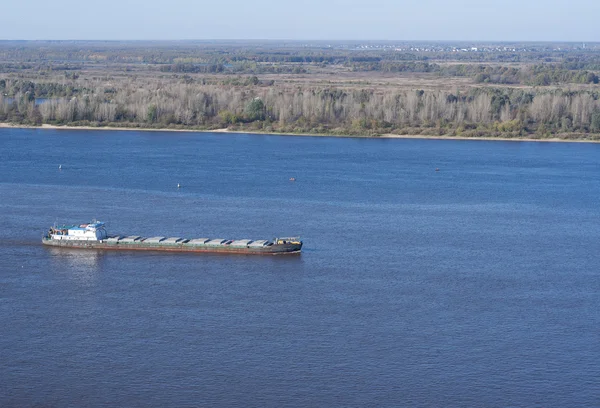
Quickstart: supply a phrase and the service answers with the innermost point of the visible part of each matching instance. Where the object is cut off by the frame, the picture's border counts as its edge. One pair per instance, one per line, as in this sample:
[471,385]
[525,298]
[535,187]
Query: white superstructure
[94,231]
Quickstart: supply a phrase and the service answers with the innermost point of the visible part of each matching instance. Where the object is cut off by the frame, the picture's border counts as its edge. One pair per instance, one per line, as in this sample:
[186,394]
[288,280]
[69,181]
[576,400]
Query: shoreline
[227,131]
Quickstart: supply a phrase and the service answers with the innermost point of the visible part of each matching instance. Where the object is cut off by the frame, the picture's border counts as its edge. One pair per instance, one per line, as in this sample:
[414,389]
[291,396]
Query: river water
[474,285]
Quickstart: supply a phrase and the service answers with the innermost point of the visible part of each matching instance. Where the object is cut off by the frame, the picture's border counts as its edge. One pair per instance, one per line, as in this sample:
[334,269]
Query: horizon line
[297,40]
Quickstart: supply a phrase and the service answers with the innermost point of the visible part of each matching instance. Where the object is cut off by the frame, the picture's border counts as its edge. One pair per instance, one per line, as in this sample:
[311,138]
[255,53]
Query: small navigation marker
[178,185]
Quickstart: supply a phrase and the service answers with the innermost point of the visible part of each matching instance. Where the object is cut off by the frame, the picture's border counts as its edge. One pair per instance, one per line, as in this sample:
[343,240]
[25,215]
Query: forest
[473,90]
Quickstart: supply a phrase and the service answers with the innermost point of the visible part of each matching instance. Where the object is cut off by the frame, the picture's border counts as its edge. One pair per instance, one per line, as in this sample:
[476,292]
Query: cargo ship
[94,236]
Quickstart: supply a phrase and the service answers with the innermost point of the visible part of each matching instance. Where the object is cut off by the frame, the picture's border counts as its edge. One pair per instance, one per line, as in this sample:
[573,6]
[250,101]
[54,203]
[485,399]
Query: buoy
[60,166]
[178,185]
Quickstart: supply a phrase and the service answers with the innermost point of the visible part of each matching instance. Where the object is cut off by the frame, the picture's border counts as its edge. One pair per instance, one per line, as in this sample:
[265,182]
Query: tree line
[537,75]
[477,112]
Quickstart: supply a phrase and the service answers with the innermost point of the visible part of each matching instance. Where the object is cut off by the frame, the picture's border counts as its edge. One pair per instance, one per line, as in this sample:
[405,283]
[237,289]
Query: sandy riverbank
[225,130]
[9,125]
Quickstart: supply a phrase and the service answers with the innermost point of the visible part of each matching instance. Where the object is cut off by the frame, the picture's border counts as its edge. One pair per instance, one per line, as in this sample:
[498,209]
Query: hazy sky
[534,20]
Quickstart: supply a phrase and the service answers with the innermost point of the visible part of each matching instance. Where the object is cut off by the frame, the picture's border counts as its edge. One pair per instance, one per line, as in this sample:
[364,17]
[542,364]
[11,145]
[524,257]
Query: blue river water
[475,285]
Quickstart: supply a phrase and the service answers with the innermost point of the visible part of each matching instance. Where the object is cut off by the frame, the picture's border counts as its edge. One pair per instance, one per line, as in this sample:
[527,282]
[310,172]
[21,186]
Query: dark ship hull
[225,248]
